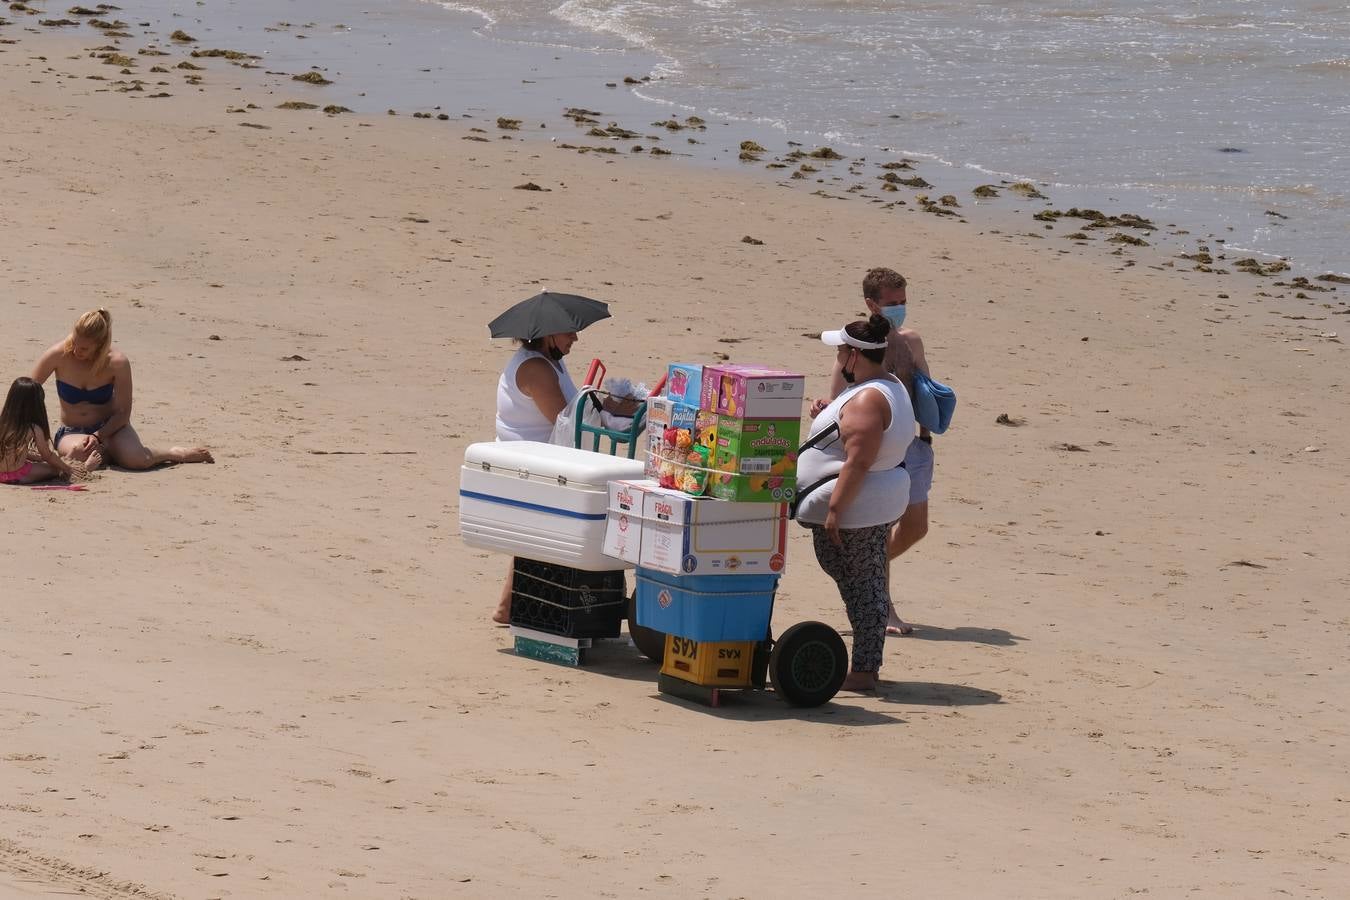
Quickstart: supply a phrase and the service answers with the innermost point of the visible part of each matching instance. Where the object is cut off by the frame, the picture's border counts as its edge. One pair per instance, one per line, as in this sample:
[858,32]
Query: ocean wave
[488,18]
[1328,66]
[606,17]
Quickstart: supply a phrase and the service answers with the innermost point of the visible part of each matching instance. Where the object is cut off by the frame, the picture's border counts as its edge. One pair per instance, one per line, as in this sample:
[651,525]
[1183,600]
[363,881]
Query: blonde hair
[95,325]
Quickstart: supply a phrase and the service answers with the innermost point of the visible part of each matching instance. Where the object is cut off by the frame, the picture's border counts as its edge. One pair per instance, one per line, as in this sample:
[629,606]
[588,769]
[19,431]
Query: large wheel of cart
[808,664]
[650,642]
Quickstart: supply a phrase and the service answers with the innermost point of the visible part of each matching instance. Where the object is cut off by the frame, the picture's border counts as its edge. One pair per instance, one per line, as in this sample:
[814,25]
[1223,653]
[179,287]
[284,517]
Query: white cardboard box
[686,535]
[623,527]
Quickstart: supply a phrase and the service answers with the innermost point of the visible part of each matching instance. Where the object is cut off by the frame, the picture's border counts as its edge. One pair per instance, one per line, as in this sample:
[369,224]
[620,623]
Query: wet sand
[275,676]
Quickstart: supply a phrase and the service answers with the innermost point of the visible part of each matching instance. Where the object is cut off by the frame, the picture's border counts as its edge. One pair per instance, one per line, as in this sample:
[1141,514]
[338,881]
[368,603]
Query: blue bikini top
[98,396]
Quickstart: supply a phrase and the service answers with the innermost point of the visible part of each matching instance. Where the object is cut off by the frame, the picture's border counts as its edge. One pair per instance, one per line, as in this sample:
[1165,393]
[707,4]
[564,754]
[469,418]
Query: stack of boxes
[707,566]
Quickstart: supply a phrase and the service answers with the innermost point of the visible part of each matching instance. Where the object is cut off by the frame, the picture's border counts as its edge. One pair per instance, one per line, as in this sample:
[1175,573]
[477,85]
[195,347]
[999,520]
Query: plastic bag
[565,426]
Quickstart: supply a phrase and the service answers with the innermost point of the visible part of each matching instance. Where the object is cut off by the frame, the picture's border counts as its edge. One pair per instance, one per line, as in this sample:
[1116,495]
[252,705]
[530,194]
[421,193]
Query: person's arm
[915,345]
[538,380]
[46,364]
[121,375]
[837,385]
[48,454]
[861,422]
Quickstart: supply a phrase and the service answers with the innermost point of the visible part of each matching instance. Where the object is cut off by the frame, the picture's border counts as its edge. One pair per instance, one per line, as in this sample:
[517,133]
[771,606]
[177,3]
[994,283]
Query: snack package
[752,392]
[684,383]
[697,460]
[756,460]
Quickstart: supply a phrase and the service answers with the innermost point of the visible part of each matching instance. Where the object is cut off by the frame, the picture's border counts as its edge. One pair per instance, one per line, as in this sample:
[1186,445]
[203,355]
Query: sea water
[1224,117]
[1212,114]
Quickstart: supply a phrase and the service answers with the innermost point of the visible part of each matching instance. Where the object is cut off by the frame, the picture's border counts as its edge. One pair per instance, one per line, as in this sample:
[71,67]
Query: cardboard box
[663,413]
[677,468]
[756,460]
[752,392]
[623,525]
[683,535]
[684,383]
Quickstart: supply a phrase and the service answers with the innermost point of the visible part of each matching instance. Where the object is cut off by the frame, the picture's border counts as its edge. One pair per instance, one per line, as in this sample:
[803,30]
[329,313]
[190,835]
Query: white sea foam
[607,17]
[488,18]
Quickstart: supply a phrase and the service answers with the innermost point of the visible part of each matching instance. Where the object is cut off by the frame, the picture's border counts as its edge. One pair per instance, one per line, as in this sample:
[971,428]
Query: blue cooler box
[706,607]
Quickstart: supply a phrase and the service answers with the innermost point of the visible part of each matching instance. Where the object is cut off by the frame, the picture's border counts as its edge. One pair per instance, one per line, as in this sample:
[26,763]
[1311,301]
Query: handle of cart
[589,436]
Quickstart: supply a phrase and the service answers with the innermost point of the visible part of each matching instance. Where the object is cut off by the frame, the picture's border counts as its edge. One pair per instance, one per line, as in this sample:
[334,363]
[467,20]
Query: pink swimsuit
[17,476]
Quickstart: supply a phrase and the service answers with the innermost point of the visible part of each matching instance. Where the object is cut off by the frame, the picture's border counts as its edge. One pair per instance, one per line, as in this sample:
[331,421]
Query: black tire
[808,664]
[650,642]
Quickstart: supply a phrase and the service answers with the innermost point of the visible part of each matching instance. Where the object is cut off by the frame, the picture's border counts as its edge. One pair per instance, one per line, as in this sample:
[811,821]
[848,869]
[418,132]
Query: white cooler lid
[582,467]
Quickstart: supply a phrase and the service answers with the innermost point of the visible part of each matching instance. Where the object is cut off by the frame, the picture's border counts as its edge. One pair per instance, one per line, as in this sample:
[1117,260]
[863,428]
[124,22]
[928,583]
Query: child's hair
[95,325]
[25,407]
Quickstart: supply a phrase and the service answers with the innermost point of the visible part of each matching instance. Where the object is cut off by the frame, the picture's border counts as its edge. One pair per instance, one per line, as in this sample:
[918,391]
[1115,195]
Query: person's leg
[913,525]
[75,445]
[37,472]
[859,568]
[911,528]
[828,556]
[126,450]
[503,614]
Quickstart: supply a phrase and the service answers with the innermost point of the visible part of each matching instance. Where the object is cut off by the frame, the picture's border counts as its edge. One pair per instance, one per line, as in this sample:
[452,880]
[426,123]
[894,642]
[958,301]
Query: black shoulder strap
[815,439]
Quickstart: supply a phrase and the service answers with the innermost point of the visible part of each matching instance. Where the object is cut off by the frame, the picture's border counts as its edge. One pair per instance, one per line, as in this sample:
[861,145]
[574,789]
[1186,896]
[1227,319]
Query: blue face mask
[896,315]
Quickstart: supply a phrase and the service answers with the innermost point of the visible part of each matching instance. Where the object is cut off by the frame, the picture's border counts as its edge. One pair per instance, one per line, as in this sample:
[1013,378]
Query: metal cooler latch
[562,480]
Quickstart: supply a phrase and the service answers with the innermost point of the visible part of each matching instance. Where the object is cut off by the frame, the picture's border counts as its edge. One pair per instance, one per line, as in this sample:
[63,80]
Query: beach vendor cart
[705,529]
[707,532]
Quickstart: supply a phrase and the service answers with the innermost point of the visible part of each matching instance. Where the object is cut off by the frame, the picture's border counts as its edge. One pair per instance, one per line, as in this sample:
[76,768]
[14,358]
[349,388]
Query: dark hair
[535,344]
[875,331]
[881,279]
[25,407]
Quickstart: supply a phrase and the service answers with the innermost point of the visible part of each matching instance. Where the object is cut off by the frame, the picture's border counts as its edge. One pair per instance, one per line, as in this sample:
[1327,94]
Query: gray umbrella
[548,313]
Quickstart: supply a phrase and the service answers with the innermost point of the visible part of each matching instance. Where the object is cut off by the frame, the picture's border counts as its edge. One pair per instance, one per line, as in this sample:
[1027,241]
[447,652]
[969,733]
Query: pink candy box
[752,392]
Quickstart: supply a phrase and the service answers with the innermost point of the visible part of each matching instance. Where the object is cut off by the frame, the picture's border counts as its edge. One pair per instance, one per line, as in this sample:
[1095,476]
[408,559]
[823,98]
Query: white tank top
[518,416]
[885,490]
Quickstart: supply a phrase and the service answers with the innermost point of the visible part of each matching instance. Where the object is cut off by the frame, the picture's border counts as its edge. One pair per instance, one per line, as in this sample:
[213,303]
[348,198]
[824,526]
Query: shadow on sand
[933,693]
[993,636]
[619,659]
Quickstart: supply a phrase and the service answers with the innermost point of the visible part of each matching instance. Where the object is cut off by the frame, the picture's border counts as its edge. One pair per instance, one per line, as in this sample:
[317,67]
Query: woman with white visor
[852,485]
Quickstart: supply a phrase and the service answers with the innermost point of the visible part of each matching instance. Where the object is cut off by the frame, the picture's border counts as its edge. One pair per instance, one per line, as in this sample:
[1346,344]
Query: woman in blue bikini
[93,380]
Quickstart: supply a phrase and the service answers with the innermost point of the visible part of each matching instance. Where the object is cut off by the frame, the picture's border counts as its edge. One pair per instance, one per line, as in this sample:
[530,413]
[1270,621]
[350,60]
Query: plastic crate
[706,607]
[565,601]
[709,663]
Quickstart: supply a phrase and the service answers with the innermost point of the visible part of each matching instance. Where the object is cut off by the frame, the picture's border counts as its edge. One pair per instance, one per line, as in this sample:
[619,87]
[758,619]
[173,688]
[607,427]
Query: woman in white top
[533,390]
[852,485]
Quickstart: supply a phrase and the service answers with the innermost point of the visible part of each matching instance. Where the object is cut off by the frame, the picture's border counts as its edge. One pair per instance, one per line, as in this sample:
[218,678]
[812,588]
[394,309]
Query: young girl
[24,432]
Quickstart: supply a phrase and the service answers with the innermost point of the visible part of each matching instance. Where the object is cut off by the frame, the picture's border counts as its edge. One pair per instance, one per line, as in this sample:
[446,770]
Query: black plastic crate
[565,601]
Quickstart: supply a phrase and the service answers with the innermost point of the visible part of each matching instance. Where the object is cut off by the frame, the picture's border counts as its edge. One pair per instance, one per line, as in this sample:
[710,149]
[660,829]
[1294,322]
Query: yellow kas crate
[709,663]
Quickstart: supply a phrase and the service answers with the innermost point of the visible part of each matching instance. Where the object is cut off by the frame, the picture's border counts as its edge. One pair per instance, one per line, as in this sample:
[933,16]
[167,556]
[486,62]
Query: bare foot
[193,455]
[896,625]
[860,682]
[94,460]
[503,614]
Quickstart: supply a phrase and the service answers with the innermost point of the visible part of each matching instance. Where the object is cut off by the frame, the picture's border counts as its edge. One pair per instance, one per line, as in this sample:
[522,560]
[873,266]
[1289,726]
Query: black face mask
[849,376]
[555,354]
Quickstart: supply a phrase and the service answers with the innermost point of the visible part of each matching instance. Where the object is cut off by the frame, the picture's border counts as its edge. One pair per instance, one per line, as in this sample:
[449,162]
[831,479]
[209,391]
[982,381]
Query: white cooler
[540,501]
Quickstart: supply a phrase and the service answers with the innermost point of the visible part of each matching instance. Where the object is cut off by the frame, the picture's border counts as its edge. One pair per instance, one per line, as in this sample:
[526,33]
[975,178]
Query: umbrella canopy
[548,313]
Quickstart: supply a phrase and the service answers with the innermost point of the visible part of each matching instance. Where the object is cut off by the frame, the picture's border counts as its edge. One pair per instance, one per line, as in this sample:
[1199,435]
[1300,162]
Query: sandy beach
[276,677]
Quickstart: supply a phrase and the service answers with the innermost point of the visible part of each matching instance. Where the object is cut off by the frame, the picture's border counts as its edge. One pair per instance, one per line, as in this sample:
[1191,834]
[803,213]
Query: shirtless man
[884,293]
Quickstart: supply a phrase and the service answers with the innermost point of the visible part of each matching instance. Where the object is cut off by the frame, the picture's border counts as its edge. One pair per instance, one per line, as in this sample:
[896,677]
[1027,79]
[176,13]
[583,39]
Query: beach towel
[934,403]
